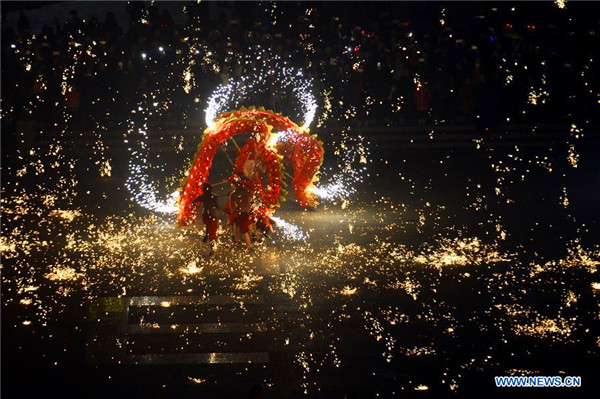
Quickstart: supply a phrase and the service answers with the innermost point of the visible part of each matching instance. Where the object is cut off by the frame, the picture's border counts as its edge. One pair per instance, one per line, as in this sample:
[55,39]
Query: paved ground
[451,264]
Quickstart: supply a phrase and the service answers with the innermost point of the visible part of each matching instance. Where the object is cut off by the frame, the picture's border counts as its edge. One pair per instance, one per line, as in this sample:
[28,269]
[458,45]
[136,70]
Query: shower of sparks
[265,69]
[341,182]
[290,230]
[191,268]
[257,81]
[144,190]
[378,265]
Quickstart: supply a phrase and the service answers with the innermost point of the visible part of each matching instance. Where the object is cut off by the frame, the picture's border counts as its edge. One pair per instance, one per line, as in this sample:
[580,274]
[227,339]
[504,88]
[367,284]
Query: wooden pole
[219,183]
[227,155]
[235,143]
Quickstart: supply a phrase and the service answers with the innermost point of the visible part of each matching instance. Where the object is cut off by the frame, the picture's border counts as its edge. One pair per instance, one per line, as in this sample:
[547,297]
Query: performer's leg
[236,232]
[205,221]
[231,228]
[244,225]
[206,233]
[247,239]
[211,230]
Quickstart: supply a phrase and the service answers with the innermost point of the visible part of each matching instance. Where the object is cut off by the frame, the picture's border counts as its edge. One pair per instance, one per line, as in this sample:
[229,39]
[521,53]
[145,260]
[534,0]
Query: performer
[241,203]
[264,225]
[248,170]
[231,216]
[210,218]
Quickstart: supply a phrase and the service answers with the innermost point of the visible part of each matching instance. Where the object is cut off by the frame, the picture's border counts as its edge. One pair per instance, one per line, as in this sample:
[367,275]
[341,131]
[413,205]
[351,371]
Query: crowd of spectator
[393,63]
